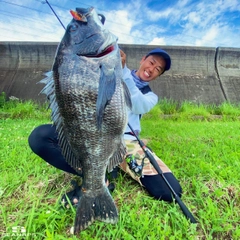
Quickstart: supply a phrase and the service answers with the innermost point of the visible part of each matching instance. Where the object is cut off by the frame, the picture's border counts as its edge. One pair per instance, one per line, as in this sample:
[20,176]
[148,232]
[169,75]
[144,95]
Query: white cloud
[193,17]
[210,36]
[25,30]
[205,24]
[120,24]
[182,22]
[157,41]
[156,15]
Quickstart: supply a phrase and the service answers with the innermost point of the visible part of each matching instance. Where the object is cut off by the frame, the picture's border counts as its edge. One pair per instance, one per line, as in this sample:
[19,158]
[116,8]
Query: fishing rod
[152,160]
[46,1]
[100,15]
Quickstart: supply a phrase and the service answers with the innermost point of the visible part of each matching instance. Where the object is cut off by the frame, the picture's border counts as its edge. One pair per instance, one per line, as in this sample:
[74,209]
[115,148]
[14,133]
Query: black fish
[89,103]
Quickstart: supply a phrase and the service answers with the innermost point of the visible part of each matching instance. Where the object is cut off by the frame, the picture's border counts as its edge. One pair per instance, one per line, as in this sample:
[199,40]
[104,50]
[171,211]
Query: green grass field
[201,145]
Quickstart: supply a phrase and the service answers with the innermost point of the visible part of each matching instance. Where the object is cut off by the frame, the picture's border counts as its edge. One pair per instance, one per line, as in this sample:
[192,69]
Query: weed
[203,155]
[2,99]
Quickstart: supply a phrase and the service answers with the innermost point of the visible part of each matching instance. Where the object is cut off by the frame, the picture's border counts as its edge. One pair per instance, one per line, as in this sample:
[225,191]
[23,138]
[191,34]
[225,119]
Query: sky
[207,23]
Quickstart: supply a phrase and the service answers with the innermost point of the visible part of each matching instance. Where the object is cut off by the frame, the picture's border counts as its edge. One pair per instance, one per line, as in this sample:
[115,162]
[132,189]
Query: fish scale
[89,101]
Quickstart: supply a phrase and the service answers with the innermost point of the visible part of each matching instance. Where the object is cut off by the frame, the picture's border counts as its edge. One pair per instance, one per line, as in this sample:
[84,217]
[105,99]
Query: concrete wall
[22,65]
[198,74]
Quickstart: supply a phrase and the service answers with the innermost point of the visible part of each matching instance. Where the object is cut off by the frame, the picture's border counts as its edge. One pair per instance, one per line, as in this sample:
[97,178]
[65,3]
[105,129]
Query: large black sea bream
[89,103]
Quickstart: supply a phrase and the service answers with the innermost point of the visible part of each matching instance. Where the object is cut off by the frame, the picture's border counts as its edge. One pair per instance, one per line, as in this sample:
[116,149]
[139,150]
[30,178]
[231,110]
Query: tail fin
[90,208]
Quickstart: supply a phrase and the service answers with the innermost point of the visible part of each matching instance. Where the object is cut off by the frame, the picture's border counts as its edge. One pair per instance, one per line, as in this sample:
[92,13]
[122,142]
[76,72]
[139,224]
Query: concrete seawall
[198,74]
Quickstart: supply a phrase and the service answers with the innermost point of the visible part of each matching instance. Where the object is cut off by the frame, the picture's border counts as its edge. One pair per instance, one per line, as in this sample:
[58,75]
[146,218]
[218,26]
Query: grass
[199,143]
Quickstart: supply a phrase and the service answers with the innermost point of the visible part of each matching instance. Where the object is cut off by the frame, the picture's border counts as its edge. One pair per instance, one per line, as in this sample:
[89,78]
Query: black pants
[44,142]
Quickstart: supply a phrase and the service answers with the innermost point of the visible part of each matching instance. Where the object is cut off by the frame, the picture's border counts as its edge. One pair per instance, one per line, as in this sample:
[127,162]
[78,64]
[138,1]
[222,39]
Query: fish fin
[49,91]
[68,153]
[47,78]
[127,95]
[117,157]
[107,86]
[99,207]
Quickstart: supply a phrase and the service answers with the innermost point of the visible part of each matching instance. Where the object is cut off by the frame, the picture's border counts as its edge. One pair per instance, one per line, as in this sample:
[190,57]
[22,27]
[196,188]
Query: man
[154,64]
[43,140]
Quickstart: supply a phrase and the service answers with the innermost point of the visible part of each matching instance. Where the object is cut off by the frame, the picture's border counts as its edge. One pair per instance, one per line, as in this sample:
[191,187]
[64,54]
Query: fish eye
[73,27]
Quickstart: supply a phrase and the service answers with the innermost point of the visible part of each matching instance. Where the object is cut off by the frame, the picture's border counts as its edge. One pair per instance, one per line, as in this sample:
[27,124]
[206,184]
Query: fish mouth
[106,51]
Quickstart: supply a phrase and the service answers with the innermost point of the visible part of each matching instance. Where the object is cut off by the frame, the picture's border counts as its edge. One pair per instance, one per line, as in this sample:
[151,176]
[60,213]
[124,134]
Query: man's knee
[158,188]
[38,137]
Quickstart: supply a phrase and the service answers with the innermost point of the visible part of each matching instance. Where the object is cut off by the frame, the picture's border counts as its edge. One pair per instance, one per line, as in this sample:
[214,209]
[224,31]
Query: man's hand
[123,58]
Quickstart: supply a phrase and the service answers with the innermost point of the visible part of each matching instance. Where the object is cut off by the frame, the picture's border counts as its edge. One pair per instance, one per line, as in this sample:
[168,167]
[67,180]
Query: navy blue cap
[162,53]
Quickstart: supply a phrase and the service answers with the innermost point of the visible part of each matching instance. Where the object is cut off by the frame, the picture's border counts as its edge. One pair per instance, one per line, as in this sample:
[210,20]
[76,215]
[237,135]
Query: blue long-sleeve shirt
[141,103]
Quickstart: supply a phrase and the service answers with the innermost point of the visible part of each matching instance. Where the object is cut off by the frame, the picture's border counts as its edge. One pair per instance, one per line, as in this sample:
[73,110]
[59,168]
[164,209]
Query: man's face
[151,67]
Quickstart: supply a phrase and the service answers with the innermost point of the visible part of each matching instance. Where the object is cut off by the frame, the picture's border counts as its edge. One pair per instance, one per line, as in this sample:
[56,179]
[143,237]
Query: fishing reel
[133,165]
